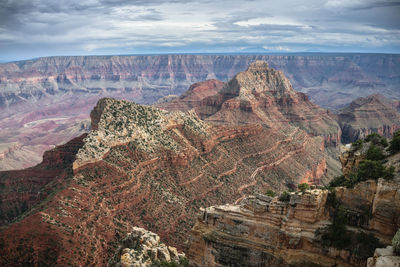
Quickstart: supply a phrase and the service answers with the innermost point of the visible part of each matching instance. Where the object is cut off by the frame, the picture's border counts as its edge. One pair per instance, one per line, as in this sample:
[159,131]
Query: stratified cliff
[366,115]
[139,165]
[332,80]
[262,231]
[259,95]
[342,226]
[57,93]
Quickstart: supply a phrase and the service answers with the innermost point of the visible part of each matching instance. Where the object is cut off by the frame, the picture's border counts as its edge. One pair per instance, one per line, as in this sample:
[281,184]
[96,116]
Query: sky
[36,28]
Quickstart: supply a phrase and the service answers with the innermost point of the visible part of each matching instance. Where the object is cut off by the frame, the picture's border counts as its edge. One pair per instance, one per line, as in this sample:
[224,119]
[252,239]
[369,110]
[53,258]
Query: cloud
[46,27]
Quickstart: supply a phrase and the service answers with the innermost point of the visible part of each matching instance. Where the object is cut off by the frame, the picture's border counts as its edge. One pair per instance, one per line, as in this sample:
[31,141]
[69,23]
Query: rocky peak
[116,122]
[259,79]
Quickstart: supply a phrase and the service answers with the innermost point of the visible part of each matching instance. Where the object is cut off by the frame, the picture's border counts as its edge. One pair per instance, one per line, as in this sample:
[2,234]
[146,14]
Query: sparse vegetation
[361,245]
[183,262]
[376,139]
[270,193]
[303,187]
[372,167]
[284,197]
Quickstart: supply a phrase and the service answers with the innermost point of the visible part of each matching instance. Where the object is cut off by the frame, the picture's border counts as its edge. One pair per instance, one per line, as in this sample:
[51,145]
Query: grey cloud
[139,26]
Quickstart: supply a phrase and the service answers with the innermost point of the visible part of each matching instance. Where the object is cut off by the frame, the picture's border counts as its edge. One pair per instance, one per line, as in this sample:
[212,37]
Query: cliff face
[321,76]
[21,190]
[262,231]
[258,95]
[366,115]
[141,164]
[57,93]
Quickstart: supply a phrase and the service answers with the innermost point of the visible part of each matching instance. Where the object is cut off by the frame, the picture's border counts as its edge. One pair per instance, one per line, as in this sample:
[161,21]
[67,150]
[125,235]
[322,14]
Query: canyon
[54,95]
[219,142]
[140,164]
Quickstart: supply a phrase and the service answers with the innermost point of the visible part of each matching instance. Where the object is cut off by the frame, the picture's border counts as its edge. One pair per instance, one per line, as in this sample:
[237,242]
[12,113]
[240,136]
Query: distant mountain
[374,113]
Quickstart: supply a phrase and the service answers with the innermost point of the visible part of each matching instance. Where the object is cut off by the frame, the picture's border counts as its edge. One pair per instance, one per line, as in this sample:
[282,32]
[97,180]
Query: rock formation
[64,89]
[21,190]
[292,230]
[384,257]
[259,95]
[139,165]
[366,115]
[262,231]
[143,248]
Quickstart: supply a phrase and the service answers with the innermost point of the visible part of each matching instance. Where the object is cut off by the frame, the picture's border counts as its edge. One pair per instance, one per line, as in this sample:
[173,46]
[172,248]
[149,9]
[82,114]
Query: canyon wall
[262,231]
[366,115]
[54,95]
[141,164]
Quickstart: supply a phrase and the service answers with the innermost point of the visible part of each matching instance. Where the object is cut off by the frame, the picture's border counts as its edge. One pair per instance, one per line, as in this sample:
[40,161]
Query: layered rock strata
[366,115]
[262,231]
[259,95]
[52,95]
[141,164]
[21,190]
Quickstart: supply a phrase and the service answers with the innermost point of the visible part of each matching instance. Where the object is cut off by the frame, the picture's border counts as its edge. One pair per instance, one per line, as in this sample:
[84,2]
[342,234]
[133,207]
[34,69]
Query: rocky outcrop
[260,95]
[143,248]
[194,98]
[262,231]
[366,115]
[384,257]
[141,164]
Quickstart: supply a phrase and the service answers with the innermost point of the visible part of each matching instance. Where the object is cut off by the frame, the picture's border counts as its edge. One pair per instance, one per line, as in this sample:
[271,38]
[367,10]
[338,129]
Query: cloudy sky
[34,28]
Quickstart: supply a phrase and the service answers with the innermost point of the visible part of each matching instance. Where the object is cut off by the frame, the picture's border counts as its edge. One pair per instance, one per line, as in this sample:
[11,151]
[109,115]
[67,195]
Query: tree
[303,187]
[375,152]
[284,197]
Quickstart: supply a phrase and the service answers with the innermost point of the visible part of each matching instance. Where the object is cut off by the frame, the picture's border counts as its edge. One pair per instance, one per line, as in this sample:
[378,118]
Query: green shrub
[370,169]
[270,193]
[375,153]
[284,197]
[364,245]
[395,143]
[183,262]
[338,181]
[303,187]
[335,235]
[396,243]
[357,145]
[376,139]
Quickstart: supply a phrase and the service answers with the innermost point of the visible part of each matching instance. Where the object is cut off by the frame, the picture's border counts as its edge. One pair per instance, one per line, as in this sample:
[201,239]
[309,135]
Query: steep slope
[139,165]
[194,97]
[369,114]
[21,190]
[71,86]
